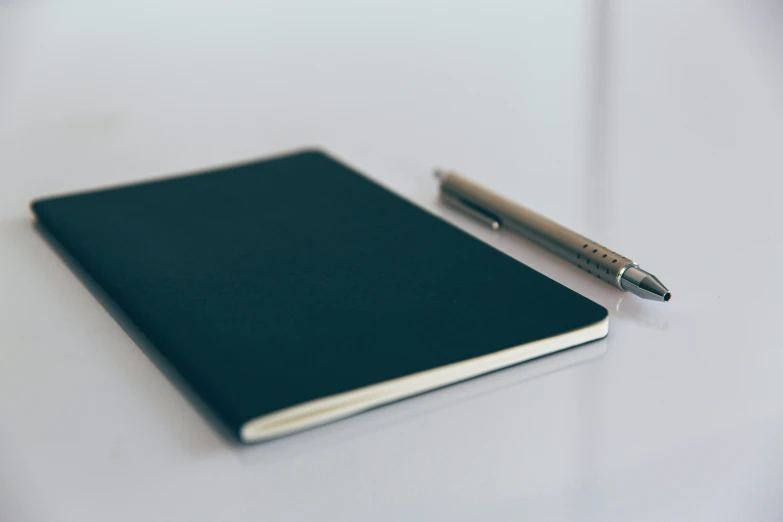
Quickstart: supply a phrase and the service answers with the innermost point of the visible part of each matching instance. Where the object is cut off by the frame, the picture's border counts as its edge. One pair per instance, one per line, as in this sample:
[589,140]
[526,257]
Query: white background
[655,127]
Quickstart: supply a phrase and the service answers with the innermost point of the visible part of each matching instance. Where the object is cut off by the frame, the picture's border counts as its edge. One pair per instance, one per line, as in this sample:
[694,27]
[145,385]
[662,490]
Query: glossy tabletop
[655,128]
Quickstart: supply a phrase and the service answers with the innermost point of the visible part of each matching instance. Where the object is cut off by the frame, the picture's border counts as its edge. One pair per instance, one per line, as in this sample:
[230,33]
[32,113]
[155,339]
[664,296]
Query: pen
[595,259]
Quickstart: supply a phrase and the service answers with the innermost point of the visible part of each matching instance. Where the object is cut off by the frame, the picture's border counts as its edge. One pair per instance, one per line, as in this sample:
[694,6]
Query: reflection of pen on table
[595,259]
[630,310]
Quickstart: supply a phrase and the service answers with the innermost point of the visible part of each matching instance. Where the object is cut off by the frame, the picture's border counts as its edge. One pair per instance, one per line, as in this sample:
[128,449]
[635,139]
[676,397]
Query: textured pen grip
[599,261]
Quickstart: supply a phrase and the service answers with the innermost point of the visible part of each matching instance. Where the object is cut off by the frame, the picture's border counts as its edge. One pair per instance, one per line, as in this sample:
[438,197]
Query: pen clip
[473,211]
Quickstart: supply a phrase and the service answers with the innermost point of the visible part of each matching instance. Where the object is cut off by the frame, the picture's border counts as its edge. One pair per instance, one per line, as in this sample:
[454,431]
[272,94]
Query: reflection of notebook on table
[293,291]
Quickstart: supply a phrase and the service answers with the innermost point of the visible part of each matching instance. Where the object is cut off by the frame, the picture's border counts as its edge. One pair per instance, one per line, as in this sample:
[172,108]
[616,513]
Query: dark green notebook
[294,291]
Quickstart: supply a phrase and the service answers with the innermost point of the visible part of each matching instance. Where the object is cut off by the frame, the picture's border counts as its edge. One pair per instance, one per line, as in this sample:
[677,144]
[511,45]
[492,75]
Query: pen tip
[644,284]
[438,173]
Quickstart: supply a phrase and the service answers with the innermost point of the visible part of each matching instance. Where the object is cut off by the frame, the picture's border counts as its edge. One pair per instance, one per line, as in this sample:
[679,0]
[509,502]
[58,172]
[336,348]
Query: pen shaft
[592,257]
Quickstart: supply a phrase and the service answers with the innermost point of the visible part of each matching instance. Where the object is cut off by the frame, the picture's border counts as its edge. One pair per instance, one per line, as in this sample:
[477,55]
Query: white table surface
[655,127]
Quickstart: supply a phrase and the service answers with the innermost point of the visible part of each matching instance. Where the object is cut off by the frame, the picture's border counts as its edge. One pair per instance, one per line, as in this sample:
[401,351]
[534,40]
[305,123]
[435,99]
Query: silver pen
[595,259]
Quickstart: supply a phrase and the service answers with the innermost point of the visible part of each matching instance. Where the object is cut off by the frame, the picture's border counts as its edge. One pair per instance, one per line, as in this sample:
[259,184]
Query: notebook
[295,291]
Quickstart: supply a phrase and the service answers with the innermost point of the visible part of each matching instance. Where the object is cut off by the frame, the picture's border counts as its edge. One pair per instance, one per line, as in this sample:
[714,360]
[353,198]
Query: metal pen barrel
[594,258]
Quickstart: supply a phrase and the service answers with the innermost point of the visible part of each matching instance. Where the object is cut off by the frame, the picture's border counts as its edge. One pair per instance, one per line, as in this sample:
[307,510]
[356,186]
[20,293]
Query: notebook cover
[274,283]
